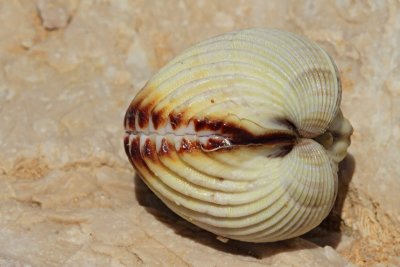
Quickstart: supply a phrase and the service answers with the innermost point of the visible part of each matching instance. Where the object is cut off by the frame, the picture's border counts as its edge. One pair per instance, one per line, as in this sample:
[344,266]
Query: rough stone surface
[68,70]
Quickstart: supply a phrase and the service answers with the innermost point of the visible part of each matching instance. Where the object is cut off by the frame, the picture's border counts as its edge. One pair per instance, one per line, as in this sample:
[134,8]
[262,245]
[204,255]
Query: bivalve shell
[242,134]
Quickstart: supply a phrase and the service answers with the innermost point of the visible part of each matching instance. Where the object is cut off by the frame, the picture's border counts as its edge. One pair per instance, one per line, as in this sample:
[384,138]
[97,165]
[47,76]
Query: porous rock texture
[68,71]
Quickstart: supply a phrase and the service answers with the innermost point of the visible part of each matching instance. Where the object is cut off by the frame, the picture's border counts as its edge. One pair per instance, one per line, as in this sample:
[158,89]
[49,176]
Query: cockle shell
[242,134]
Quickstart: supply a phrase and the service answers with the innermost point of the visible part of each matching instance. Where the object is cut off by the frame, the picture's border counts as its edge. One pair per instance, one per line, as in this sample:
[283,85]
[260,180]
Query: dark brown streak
[129,120]
[206,124]
[189,146]
[214,143]
[142,113]
[176,120]
[143,117]
[239,136]
[165,147]
[133,151]
[157,119]
[227,136]
[289,124]
[149,150]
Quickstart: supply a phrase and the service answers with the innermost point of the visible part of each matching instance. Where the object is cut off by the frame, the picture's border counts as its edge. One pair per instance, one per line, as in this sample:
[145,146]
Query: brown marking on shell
[129,120]
[142,112]
[175,120]
[149,150]
[135,157]
[216,143]
[199,124]
[288,123]
[188,146]
[232,136]
[157,118]
[207,124]
[133,108]
[133,151]
[240,136]
[219,145]
[143,117]
[165,147]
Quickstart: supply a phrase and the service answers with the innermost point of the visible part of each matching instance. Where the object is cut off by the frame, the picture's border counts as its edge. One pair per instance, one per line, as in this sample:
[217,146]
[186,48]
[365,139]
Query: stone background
[68,71]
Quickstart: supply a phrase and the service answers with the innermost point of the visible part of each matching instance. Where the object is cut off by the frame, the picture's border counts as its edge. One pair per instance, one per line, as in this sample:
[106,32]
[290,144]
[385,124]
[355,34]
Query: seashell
[242,135]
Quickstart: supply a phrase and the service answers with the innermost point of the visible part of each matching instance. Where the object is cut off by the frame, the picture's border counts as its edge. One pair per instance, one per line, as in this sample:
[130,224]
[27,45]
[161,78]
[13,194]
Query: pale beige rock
[56,14]
[68,70]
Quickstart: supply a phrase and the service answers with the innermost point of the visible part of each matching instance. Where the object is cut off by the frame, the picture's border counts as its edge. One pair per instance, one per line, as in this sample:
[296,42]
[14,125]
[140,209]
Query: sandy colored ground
[68,70]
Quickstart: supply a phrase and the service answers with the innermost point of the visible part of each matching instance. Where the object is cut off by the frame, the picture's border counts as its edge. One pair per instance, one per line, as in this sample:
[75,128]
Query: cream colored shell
[242,134]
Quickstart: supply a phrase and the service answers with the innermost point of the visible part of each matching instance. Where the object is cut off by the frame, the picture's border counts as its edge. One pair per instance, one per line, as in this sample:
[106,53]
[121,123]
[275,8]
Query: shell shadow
[328,233]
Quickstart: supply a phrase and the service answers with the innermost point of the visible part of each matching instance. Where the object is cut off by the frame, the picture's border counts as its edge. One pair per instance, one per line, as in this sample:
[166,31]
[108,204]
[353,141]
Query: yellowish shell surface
[242,134]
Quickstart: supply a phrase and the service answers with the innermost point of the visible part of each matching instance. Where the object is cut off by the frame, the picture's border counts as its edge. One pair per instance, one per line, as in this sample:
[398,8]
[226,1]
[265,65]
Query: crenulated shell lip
[212,135]
[242,135]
